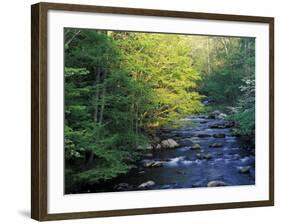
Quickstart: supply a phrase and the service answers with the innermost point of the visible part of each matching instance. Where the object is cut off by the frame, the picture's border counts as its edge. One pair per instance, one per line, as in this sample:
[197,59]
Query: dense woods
[121,87]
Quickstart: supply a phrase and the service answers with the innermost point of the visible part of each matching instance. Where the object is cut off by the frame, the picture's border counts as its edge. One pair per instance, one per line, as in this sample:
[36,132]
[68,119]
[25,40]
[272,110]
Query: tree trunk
[91,158]
[96,111]
[103,96]
[225,46]
[208,56]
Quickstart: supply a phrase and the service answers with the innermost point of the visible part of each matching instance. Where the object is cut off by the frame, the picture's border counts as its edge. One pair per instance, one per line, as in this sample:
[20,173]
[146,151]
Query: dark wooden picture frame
[39,202]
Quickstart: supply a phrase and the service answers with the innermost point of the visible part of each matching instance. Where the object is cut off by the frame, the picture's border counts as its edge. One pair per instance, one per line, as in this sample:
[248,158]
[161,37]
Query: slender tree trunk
[96,111]
[208,56]
[136,123]
[103,96]
[67,42]
[225,46]
[91,158]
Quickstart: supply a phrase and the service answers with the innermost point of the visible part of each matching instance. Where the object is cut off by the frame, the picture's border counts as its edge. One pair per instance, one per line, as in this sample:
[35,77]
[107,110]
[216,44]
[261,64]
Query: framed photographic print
[139,111]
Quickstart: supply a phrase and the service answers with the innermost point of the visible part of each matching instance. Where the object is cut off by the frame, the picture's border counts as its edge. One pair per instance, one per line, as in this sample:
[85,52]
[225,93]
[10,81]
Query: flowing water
[184,167]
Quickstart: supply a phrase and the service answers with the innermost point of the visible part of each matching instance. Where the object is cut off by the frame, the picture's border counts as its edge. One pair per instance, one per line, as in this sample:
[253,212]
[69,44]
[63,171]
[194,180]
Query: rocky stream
[205,154]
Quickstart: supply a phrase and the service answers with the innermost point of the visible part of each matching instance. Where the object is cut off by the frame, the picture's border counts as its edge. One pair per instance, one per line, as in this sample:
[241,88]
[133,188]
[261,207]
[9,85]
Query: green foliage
[227,67]
[120,86]
[163,66]
[246,123]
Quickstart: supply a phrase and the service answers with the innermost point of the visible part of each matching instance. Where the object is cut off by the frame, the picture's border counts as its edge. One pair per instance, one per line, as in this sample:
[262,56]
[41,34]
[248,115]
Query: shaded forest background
[120,87]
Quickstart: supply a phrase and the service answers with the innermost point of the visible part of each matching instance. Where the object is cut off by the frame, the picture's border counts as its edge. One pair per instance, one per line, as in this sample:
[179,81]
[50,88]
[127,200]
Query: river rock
[158,146]
[219,135]
[156,140]
[202,135]
[198,184]
[217,115]
[169,144]
[146,185]
[216,183]
[145,147]
[207,156]
[147,163]
[195,146]
[148,155]
[217,126]
[122,187]
[229,124]
[157,164]
[245,169]
[180,172]
[151,163]
[215,145]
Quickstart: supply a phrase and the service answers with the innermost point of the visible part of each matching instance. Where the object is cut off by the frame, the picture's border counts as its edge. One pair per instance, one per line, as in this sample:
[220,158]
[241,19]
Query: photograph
[154,111]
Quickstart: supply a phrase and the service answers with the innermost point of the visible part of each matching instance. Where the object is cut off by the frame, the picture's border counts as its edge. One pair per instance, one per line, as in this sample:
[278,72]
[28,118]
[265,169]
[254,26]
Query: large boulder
[216,183]
[146,185]
[169,144]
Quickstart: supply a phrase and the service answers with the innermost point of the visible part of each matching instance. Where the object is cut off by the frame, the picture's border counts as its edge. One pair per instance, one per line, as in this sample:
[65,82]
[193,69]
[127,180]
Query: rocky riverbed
[204,155]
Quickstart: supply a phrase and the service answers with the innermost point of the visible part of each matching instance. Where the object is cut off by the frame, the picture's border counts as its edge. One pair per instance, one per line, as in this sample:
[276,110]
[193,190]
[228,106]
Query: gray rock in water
[146,185]
[157,164]
[169,144]
[216,183]
[156,139]
[180,172]
[219,135]
[158,146]
[151,163]
[202,135]
[198,184]
[122,187]
[215,145]
[145,147]
[245,169]
[148,155]
[147,163]
[195,146]
[217,115]
[229,124]
[207,156]
[217,126]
